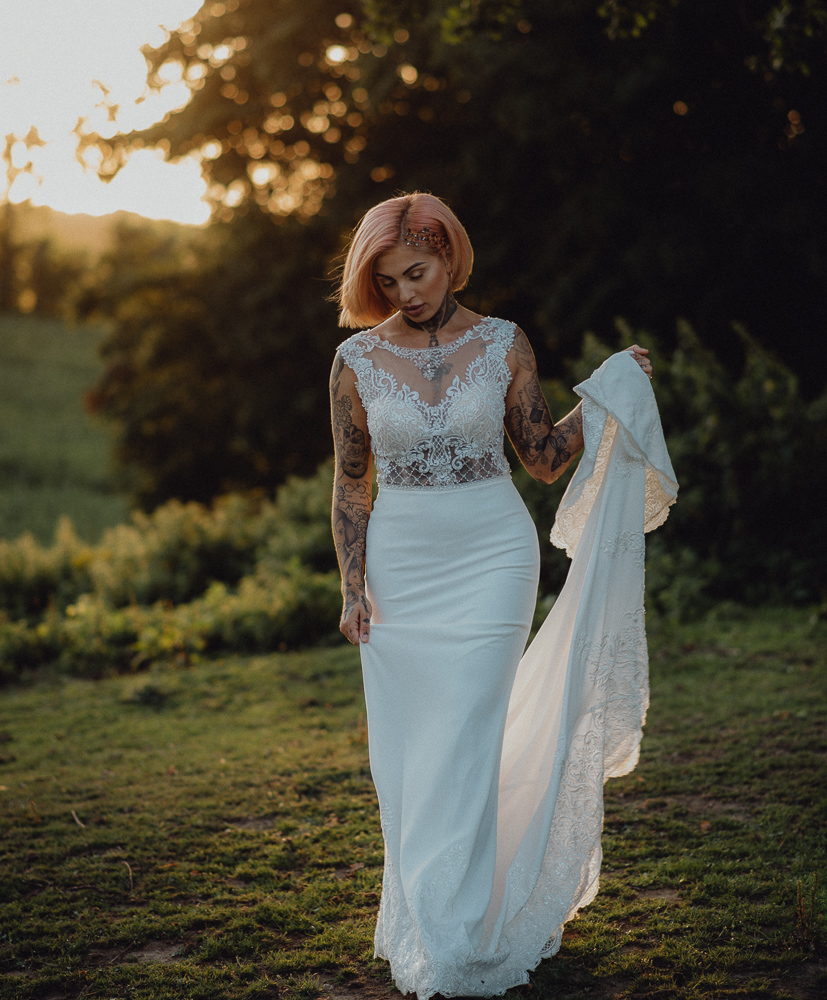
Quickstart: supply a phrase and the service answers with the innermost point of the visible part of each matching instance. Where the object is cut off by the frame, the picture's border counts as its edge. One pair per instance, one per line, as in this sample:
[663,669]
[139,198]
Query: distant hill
[92,233]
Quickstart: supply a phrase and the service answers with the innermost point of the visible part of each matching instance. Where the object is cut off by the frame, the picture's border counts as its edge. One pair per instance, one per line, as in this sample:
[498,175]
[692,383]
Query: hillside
[53,459]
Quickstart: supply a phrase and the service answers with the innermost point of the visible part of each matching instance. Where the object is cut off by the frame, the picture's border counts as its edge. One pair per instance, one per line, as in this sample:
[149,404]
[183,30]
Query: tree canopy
[649,158]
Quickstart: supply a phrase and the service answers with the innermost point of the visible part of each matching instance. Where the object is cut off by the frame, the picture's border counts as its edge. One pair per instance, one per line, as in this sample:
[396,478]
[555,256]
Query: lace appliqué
[605,743]
[631,542]
[425,956]
[429,360]
[455,440]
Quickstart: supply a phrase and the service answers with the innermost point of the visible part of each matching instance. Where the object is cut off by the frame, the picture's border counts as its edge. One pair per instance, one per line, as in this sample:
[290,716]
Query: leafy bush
[176,552]
[33,579]
[245,574]
[92,639]
[750,455]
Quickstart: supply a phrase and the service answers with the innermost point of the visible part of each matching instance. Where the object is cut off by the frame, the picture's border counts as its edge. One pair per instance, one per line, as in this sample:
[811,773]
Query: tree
[603,165]
[215,374]
[643,158]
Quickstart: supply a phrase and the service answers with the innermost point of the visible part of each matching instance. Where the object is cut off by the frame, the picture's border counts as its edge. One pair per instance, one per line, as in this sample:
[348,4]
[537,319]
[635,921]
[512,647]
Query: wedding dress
[489,763]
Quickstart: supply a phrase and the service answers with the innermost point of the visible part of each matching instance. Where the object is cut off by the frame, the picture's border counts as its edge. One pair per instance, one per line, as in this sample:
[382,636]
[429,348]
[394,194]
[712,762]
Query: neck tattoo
[437,321]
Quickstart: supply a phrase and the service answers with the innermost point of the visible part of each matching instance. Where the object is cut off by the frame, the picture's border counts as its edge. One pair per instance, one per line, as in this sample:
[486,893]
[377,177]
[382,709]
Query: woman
[439,581]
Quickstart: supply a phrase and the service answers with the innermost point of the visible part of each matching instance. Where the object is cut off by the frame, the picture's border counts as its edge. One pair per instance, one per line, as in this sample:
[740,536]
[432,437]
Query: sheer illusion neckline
[407,352]
[435,423]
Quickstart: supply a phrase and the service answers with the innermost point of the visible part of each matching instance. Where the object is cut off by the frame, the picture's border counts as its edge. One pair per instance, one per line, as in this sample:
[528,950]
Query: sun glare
[69,65]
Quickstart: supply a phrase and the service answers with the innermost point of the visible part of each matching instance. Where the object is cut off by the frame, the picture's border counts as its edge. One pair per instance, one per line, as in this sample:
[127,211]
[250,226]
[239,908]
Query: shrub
[33,578]
[302,514]
[175,553]
[246,574]
[750,455]
[93,639]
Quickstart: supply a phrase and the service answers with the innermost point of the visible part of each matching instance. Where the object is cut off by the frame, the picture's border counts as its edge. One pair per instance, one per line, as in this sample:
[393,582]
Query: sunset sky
[58,59]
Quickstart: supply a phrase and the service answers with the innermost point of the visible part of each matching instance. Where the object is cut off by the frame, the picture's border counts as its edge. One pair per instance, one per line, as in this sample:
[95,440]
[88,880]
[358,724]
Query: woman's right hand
[355,624]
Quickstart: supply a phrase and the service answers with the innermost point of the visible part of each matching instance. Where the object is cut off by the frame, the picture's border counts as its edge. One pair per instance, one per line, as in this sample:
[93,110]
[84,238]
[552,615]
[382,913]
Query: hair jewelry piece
[424,237]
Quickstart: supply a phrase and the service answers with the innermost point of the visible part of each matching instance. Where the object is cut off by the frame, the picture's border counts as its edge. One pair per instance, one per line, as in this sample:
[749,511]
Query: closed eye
[389,282]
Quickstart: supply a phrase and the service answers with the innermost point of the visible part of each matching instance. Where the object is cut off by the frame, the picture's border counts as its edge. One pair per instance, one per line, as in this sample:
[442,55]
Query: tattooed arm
[546,449]
[351,498]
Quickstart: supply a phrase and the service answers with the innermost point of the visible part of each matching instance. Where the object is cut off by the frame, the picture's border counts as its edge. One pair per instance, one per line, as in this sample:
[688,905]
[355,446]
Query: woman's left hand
[640,355]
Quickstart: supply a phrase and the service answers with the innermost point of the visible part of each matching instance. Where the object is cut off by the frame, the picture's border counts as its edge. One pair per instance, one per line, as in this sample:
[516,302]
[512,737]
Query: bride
[488,768]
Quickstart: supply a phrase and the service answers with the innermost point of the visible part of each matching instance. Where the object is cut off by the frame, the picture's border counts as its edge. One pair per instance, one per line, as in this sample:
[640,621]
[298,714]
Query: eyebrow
[418,264]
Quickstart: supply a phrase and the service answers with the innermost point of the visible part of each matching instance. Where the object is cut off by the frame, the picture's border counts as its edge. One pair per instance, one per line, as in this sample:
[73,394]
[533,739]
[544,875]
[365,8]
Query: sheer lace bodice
[435,414]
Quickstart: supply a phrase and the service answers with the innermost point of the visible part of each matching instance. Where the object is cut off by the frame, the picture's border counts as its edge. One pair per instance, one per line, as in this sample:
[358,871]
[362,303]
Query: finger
[641,359]
[365,622]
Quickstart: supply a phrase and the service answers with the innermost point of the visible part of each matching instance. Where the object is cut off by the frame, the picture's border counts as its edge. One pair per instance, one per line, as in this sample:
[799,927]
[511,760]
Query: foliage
[790,36]
[751,458]
[456,22]
[227,840]
[215,371]
[297,608]
[33,578]
[245,574]
[674,173]
[642,201]
[53,459]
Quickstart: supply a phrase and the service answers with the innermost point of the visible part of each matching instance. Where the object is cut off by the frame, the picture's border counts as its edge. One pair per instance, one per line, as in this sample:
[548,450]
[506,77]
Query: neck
[439,318]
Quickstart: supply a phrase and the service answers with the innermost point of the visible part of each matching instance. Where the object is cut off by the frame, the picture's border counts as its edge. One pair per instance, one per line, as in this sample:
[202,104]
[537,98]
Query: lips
[413,310]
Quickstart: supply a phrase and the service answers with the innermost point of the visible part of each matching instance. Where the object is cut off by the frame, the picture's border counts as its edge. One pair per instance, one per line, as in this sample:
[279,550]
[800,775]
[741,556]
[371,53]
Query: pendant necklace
[430,361]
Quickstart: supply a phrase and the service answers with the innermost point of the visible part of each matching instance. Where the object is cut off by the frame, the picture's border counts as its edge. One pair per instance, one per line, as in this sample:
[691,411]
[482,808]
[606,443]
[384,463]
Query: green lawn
[212,832]
[53,459]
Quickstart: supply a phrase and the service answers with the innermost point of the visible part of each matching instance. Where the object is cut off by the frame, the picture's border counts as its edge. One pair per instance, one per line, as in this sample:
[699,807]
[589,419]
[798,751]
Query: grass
[212,832]
[53,459]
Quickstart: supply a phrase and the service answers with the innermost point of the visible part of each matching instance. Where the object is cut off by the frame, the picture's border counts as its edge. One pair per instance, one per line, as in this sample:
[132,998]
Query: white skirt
[452,578]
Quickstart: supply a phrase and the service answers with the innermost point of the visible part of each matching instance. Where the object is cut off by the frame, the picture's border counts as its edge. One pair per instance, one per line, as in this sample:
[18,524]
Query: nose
[406,291]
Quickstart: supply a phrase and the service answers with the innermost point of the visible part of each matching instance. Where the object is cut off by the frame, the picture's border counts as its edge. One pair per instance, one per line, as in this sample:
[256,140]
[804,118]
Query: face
[413,280]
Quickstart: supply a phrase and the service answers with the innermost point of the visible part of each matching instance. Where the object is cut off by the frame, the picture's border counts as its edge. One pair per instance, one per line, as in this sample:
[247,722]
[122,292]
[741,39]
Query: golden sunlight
[75,66]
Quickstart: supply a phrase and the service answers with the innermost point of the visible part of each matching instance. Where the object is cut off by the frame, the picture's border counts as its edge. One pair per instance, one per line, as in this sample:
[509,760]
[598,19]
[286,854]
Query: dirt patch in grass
[663,895]
[358,987]
[808,981]
[253,823]
[165,952]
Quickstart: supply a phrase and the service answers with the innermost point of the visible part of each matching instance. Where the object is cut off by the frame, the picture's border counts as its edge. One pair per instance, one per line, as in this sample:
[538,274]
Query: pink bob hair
[361,300]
